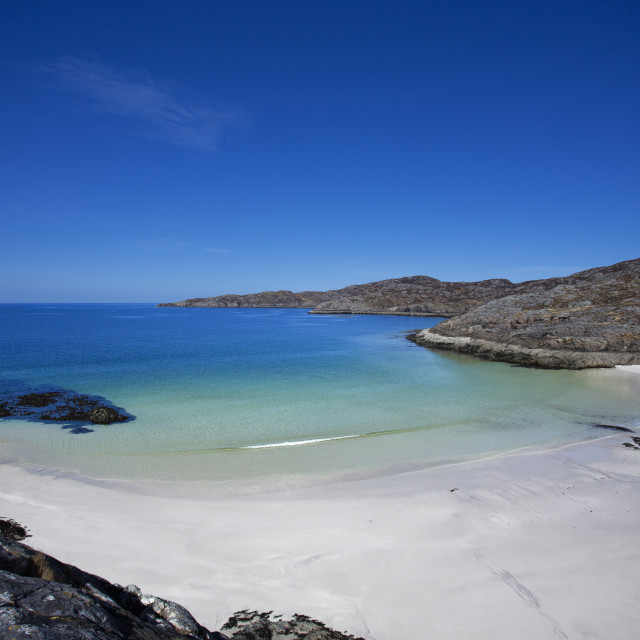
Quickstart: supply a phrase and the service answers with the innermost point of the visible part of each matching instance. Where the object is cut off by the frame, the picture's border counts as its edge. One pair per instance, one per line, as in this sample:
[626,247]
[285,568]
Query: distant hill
[414,295]
[284,299]
[588,319]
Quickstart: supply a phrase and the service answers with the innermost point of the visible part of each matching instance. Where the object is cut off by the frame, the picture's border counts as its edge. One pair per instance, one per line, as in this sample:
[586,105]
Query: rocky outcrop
[42,598]
[58,405]
[589,319]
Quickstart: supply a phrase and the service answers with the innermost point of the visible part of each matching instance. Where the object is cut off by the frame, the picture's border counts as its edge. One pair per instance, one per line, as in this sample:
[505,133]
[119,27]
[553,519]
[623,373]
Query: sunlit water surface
[241,393]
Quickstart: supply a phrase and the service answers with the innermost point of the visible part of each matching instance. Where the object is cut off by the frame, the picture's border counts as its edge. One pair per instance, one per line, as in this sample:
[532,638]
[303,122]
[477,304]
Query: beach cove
[357,503]
[535,545]
[245,394]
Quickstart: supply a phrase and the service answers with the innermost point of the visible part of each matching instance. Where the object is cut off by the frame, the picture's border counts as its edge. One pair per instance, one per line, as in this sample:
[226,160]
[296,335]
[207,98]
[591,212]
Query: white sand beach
[534,545]
[629,368]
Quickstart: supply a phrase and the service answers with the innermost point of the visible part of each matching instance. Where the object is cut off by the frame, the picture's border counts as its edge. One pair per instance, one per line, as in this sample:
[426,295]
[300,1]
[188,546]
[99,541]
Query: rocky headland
[588,319]
[42,598]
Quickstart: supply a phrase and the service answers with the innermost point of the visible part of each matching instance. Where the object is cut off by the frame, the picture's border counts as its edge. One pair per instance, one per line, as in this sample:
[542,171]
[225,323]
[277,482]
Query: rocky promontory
[42,598]
[589,319]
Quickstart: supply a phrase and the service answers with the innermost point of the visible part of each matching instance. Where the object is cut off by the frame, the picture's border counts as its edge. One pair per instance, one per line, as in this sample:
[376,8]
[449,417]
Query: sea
[228,394]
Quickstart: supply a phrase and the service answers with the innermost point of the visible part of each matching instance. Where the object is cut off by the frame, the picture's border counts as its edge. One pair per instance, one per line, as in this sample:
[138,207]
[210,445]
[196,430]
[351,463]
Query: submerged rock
[59,405]
[105,415]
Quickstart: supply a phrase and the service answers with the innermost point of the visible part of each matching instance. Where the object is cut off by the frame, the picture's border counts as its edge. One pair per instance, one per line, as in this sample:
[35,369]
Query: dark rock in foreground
[42,598]
[59,405]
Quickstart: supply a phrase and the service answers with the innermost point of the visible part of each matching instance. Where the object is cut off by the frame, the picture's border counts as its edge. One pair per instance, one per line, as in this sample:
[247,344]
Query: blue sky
[154,151]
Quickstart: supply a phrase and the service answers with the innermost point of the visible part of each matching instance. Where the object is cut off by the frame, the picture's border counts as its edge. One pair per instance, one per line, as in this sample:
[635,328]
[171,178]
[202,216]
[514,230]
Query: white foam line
[296,443]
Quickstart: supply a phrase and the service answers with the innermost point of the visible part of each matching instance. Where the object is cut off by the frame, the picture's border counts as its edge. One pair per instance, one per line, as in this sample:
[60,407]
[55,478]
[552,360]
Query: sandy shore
[537,545]
[629,368]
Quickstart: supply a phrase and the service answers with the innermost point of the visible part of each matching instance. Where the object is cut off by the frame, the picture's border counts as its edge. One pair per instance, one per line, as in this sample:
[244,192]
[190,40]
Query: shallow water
[236,393]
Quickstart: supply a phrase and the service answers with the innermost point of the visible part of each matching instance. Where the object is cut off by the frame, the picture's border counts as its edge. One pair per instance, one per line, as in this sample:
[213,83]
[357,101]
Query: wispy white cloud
[214,250]
[164,111]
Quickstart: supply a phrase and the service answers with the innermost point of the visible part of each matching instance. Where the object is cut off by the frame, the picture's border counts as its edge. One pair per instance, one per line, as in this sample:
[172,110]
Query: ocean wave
[297,443]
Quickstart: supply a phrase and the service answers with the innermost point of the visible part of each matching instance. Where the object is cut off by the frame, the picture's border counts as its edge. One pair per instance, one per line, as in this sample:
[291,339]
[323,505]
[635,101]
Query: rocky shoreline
[588,319]
[523,356]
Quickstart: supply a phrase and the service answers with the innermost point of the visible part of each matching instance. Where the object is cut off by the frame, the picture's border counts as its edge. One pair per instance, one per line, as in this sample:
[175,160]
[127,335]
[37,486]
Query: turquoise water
[229,393]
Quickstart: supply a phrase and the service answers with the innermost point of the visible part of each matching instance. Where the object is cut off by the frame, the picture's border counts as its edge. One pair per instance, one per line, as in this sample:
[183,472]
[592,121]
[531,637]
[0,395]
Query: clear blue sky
[155,150]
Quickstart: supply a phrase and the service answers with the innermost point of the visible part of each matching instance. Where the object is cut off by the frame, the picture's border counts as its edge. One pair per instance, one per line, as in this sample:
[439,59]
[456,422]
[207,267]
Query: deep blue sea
[241,393]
